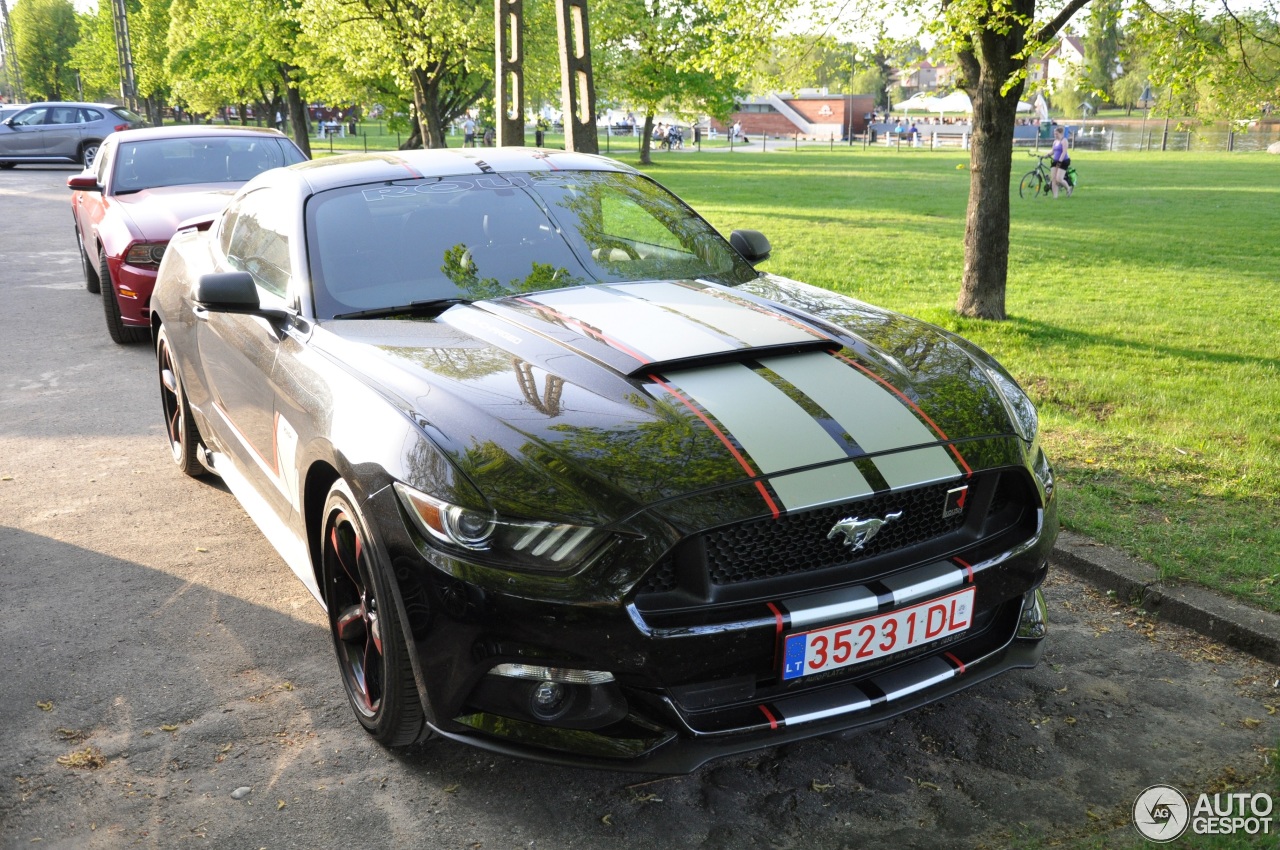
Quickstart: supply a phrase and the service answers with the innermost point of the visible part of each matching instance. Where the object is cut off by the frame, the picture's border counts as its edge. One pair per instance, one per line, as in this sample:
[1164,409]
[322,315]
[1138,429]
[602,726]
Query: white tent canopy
[957,101]
[922,101]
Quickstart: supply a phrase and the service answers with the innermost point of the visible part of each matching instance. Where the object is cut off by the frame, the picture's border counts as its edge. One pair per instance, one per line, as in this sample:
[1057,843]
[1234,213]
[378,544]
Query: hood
[775,393]
[156,213]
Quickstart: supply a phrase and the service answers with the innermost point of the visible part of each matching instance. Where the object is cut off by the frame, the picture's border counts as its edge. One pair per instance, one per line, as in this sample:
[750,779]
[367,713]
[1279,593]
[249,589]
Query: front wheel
[92,282]
[1032,184]
[372,652]
[184,438]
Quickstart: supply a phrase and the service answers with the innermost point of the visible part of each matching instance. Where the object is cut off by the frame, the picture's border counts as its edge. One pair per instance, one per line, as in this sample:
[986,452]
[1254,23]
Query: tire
[373,655]
[5,166]
[121,333]
[88,153]
[184,437]
[1032,184]
[92,282]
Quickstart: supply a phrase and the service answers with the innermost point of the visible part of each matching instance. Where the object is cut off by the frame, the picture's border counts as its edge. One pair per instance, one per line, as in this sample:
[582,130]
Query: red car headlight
[145,253]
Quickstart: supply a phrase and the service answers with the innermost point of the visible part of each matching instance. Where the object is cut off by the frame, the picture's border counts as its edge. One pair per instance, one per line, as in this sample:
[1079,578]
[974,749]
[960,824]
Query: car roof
[66,103]
[189,131]
[356,169]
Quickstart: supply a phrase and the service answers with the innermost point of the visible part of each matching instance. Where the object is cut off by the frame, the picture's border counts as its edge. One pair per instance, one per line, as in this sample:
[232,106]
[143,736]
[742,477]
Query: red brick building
[815,115]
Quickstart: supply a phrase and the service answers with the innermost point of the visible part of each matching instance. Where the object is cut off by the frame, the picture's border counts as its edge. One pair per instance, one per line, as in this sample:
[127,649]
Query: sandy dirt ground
[166,681]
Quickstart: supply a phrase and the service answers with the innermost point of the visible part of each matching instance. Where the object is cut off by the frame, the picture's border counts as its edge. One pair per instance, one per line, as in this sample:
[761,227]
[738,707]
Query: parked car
[143,184]
[574,481]
[61,132]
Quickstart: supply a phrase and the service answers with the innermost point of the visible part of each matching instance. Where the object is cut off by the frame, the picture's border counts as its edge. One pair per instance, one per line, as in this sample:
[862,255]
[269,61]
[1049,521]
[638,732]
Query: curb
[1233,623]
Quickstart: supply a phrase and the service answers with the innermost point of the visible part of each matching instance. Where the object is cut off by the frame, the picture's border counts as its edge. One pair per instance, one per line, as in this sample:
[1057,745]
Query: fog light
[549,700]
[1034,622]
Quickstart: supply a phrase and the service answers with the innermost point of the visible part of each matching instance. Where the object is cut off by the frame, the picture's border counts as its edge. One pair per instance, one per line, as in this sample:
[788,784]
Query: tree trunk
[426,99]
[987,66]
[645,138]
[297,111]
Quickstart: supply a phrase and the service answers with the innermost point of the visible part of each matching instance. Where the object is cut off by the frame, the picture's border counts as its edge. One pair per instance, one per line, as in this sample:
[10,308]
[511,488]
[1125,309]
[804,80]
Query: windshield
[201,159]
[470,238]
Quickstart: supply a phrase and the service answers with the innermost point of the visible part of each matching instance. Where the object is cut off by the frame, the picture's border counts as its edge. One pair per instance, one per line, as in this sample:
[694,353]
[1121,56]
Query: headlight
[485,537]
[145,254]
[1021,410]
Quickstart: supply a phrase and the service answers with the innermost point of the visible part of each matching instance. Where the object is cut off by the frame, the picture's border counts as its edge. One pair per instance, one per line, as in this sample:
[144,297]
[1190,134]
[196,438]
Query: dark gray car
[61,132]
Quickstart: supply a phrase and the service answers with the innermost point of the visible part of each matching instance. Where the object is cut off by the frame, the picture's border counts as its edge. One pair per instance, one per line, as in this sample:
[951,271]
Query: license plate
[832,647]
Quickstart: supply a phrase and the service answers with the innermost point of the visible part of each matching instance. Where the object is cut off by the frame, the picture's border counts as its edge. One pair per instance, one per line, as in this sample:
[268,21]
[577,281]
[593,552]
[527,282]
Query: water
[1133,136]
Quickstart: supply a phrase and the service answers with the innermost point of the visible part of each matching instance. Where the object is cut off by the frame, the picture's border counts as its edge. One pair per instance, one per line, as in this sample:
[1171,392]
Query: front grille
[798,543]
[764,549]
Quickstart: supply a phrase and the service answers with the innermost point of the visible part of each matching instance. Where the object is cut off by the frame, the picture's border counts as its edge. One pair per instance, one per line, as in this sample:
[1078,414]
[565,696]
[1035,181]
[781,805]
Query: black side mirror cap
[229,292]
[751,244]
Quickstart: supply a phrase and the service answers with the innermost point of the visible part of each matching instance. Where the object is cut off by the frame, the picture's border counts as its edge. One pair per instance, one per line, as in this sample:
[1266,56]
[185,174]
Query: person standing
[469,132]
[1058,162]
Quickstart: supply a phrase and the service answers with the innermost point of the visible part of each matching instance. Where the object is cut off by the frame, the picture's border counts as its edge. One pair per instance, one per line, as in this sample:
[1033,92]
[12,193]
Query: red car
[142,185]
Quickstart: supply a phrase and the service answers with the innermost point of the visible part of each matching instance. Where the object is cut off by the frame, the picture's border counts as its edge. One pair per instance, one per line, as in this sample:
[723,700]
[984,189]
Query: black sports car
[575,482]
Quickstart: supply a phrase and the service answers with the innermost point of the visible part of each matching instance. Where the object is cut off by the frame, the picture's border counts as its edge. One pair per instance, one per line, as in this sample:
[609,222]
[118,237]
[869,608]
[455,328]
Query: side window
[64,115]
[88,116]
[32,117]
[106,156]
[258,241]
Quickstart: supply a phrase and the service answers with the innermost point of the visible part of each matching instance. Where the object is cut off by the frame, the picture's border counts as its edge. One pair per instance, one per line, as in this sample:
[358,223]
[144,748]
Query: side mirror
[751,244]
[83,183]
[235,292]
[228,292]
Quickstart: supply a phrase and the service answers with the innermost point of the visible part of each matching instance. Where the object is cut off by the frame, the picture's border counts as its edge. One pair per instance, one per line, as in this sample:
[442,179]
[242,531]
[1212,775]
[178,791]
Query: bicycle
[1036,181]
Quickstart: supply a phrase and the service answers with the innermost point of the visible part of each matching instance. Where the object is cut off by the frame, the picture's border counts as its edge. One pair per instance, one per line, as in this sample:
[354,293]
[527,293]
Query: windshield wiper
[433,306]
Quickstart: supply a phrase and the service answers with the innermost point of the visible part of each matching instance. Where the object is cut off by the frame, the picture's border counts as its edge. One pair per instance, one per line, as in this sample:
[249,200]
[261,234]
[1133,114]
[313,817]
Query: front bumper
[681,692]
[133,285]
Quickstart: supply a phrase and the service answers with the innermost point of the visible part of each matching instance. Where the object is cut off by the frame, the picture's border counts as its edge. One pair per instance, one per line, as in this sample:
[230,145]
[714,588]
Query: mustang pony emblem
[857,531]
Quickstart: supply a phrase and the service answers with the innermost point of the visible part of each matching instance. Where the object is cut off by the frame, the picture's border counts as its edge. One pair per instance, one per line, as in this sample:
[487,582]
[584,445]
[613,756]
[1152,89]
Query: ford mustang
[574,481]
[145,182]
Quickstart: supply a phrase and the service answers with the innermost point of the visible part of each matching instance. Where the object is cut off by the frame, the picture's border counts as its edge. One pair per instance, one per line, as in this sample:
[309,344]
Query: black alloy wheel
[367,635]
[184,437]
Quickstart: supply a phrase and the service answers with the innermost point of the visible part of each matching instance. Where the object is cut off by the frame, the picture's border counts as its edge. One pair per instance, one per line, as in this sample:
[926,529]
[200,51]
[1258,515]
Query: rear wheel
[88,154]
[372,653]
[91,281]
[1032,184]
[120,332]
[184,438]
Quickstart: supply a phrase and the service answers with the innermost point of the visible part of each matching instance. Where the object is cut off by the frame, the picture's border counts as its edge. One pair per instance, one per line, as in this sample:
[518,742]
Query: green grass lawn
[1143,319]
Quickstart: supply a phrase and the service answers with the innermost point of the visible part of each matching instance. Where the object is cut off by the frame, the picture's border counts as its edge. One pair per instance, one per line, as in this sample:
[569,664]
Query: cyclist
[1060,161]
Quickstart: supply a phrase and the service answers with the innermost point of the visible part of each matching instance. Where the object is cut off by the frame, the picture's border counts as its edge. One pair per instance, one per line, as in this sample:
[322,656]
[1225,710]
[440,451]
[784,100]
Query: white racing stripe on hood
[705,305]
[776,433]
[873,416]
[647,329]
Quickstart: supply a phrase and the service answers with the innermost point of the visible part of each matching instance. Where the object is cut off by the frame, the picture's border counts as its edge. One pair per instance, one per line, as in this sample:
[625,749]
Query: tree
[94,55]
[1102,43]
[44,31]
[235,52]
[690,56]
[440,50]
[991,40]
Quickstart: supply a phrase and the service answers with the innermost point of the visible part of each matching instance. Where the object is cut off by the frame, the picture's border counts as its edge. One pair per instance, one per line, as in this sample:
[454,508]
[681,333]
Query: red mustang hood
[157,212]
